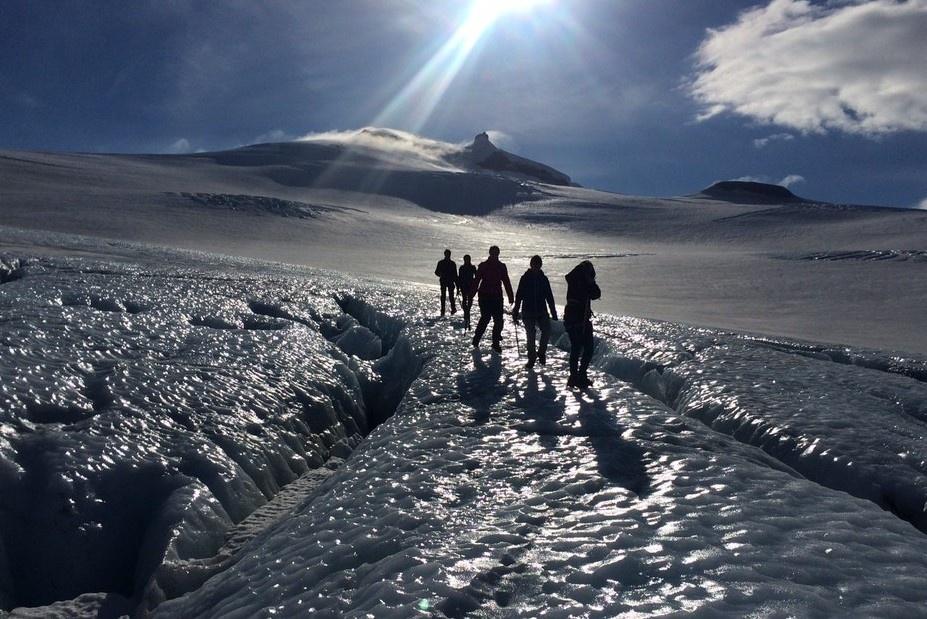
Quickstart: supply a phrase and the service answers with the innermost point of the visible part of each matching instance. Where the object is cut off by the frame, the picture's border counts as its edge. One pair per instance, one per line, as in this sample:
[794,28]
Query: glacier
[186,434]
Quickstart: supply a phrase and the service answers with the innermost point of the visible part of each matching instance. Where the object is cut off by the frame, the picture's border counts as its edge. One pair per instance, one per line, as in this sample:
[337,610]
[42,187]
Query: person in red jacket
[491,276]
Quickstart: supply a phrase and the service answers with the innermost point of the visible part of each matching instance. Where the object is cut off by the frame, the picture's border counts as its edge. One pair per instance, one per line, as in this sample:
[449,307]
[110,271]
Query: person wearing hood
[491,276]
[577,320]
[532,299]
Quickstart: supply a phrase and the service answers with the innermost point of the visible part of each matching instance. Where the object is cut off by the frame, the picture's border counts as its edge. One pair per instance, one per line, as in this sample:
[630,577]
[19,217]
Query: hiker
[491,276]
[465,278]
[533,298]
[447,275]
[577,320]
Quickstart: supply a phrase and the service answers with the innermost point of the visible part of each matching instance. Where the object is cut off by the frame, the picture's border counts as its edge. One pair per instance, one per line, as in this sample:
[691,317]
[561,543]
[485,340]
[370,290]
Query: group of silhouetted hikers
[532,301]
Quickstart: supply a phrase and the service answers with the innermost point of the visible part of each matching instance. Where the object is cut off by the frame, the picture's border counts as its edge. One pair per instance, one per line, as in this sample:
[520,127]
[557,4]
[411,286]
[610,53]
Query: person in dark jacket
[491,276]
[465,278]
[533,298]
[447,275]
[577,320]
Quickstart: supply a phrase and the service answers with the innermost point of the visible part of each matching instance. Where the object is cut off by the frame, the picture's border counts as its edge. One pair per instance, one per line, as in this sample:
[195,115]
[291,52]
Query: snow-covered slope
[386,203]
[185,433]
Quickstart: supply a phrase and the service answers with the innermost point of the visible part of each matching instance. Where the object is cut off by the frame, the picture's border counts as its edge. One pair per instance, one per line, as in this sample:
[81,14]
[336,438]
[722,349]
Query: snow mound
[750,192]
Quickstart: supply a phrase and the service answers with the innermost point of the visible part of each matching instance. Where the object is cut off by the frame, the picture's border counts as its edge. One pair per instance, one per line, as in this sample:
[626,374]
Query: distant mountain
[749,192]
[484,154]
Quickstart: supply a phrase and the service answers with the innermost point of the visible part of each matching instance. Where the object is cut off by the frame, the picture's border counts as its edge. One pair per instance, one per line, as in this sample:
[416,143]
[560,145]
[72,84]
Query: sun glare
[483,13]
[418,98]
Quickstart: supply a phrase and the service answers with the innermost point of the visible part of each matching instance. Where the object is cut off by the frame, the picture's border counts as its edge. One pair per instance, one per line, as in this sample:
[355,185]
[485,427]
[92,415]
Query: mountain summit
[486,155]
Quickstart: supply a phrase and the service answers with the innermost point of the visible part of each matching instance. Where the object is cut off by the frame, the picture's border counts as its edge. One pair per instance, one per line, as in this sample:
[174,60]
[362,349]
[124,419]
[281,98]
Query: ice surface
[494,489]
[143,411]
[706,472]
[822,411]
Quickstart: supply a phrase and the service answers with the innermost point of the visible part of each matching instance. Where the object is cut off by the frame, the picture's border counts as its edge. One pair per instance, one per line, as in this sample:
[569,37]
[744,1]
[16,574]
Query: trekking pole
[517,345]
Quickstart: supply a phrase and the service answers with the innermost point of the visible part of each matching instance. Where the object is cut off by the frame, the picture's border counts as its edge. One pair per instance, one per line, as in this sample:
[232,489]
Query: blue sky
[655,97]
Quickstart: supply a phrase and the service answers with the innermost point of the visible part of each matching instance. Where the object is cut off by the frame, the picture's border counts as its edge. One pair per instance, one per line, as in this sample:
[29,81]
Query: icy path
[154,414]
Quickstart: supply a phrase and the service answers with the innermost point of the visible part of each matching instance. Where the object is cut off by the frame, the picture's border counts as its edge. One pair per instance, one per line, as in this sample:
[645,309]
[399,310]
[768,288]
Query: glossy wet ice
[149,407]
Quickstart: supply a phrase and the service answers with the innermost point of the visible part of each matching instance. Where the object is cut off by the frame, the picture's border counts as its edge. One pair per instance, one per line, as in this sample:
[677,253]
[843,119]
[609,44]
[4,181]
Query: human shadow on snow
[543,407]
[480,388]
[619,461]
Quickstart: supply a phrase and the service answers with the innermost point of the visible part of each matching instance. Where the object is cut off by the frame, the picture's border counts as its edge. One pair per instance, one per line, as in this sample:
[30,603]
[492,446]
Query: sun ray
[416,101]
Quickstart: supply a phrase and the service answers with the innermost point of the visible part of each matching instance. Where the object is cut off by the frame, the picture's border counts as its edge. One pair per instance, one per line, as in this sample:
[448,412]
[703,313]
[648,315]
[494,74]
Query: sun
[483,13]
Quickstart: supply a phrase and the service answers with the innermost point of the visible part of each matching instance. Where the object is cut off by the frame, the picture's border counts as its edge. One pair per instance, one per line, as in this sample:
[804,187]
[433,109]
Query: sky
[646,97]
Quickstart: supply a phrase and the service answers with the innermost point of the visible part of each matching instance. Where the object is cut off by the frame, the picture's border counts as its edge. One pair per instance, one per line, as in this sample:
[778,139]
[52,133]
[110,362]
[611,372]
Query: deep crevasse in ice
[493,488]
[143,411]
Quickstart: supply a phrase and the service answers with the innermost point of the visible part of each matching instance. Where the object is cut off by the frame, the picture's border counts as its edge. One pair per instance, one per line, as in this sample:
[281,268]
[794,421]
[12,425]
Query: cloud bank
[850,65]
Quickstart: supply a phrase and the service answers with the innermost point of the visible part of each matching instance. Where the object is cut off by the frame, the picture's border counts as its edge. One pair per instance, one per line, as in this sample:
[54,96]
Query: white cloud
[791,179]
[501,139]
[776,137]
[853,65]
[922,205]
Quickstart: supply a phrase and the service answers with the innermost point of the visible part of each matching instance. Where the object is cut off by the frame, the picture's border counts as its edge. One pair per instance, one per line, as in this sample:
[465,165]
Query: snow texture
[145,411]
[190,430]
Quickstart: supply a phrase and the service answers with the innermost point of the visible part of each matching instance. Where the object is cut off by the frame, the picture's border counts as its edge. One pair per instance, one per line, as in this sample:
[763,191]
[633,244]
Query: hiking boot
[583,381]
[542,359]
[571,381]
[496,346]
[530,363]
